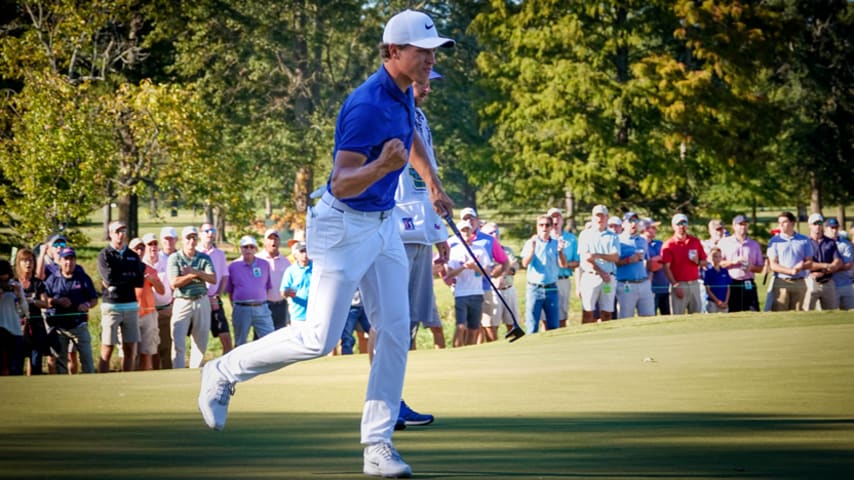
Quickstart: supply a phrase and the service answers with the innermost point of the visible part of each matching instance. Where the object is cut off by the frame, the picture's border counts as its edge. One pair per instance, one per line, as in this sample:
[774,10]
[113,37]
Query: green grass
[735,396]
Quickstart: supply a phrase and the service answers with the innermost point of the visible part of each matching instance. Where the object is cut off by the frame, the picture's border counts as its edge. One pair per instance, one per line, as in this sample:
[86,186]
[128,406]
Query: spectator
[356,316]
[658,278]
[421,229]
[247,284]
[598,250]
[742,257]
[70,295]
[168,235]
[506,285]
[219,323]
[842,277]
[564,275]
[468,289]
[48,260]
[634,291]
[543,257]
[790,258]
[122,273]
[277,304]
[683,257]
[826,261]
[149,332]
[717,232]
[13,308]
[496,265]
[36,345]
[717,283]
[296,282]
[189,271]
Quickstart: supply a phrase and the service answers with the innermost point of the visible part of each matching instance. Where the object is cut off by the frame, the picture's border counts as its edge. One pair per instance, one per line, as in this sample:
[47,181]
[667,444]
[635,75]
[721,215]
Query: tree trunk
[219,224]
[840,215]
[108,217]
[302,188]
[268,207]
[815,195]
[569,218]
[127,212]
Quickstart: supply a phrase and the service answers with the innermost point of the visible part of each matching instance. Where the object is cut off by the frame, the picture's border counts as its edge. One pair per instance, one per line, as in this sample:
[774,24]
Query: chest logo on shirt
[408,223]
[417,181]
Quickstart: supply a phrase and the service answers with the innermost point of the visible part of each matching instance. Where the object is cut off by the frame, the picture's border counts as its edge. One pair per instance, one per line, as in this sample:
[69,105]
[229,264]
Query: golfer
[354,242]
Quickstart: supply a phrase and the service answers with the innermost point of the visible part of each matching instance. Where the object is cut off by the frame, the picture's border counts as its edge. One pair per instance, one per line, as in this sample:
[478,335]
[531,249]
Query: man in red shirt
[683,257]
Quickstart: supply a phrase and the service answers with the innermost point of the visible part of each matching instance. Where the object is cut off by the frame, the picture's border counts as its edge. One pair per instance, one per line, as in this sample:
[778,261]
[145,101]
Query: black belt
[342,207]
[791,280]
[163,307]
[270,302]
[542,285]
[564,277]
[640,280]
[250,304]
[823,280]
[505,288]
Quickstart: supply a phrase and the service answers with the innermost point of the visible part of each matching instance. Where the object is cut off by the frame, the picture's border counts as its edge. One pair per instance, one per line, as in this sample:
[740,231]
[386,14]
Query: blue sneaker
[411,418]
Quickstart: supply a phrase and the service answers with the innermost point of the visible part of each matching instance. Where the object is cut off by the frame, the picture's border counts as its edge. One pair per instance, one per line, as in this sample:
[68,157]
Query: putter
[516,332]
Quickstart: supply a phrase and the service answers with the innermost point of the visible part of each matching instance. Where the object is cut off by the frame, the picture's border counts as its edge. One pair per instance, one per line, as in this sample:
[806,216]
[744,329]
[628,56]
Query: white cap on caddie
[414,28]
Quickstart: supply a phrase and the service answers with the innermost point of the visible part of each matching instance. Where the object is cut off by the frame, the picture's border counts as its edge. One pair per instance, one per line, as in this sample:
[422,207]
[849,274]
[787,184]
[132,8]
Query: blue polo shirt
[298,278]
[377,111]
[570,252]
[842,278]
[824,251]
[789,251]
[636,270]
[660,283]
[544,265]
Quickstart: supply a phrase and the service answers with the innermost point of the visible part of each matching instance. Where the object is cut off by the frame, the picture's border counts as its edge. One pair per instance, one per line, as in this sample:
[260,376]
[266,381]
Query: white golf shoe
[382,460]
[214,395]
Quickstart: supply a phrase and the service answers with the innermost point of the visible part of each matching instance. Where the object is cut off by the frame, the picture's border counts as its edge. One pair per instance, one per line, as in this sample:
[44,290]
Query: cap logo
[428,27]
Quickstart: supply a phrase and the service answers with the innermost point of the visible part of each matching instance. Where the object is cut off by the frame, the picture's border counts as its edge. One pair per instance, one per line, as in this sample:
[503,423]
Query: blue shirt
[789,252]
[544,264]
[377,111]
[298,278]
[79,289]
[842,278]
[660,284]
[570,252]
[718,281]
[636,270]
[824,251]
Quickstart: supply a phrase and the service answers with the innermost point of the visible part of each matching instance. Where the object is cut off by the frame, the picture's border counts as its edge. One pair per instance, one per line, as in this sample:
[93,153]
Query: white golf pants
[348,249]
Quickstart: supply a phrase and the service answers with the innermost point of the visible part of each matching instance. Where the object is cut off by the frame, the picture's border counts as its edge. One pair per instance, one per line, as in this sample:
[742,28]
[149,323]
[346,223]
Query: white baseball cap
[168,232]
[271,231]
[553,211]
[466,212]
[189,230]
[463,225]
[148,238]
[600,209]
[414,28]
[248,240]
[679,217]
[815,217]
[615,221]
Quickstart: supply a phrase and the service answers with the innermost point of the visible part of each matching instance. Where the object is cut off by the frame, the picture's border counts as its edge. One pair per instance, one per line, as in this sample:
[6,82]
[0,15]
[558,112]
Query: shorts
[422,300]
[219,324]
[468,310]
[149,333]
[487,315]
[595,292]
[112,320]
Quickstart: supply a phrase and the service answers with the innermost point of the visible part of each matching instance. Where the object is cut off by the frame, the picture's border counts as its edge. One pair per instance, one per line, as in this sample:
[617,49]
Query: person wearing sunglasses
[683,256]
[826,261]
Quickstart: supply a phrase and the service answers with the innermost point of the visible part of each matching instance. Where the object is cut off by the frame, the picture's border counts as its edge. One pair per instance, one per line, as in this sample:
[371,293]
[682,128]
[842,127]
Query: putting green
[714,396]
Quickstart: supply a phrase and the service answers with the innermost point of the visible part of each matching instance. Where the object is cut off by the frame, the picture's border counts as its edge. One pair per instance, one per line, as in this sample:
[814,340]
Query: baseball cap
[739,219]
[56,238]
[468,211]
[463,225]
[489,228]
[832,222]
[553,211]
[248,240]
[117,225]
[271,231]
[414,28]
[434,75]
[630,215]
[615,221]
[298,246]
[67,252]
[600,209]
[148,238]
[716,224]
[648,222]
[679,217]
[135,243]
[815,217]
[168,232]
[189,230]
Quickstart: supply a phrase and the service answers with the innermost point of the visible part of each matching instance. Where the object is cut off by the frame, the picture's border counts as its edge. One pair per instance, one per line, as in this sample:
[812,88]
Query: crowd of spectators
[152,293]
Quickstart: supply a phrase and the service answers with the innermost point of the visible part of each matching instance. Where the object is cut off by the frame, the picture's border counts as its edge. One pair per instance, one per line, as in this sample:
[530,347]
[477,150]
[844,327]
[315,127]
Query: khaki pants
[824,293]
[691,302]
[788,294]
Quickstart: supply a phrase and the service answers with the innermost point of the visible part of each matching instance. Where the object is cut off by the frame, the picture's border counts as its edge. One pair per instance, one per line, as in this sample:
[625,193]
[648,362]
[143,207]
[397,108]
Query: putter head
[515,334]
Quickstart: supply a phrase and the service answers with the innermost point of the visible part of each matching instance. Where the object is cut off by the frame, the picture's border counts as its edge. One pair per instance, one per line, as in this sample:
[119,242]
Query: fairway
[727,396]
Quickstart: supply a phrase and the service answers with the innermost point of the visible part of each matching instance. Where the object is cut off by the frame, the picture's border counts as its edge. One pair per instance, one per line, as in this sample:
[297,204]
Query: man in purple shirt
[742,257]
[248,284]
